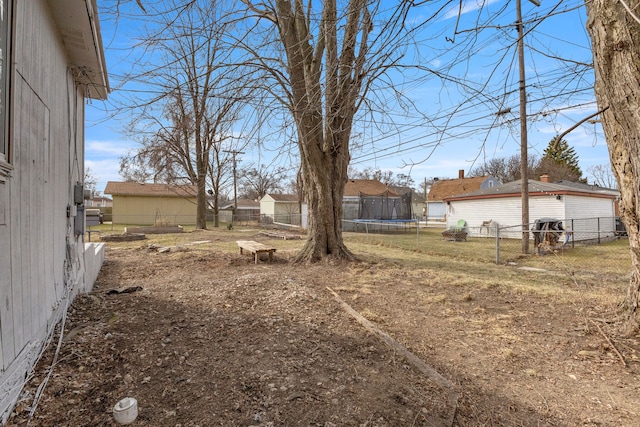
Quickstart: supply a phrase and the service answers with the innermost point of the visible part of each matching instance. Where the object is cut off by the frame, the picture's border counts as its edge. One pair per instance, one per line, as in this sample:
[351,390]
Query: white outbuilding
[584,209]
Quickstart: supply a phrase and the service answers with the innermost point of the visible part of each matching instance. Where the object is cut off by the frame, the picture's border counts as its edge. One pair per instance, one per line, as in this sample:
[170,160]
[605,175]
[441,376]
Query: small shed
[152,204]
[284,209]
[583,208]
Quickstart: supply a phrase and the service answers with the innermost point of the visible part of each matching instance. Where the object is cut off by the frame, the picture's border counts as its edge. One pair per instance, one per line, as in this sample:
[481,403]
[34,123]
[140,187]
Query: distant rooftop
[370,187]
[143,189]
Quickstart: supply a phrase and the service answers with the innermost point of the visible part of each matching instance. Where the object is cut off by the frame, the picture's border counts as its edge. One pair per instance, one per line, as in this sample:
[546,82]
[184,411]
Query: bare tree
[384,176]
[603,176]
[197,101]
[255,183]
[90,181]
[325,61]
[505,169]
[614,27]
[371,173]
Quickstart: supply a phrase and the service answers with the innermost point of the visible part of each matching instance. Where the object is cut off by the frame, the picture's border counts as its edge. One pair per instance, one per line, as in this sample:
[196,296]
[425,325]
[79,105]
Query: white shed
[583,208]
[284,209]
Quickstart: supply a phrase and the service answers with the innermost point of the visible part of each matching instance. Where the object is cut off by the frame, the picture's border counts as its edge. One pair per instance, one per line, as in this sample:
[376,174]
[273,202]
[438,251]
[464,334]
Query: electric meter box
[78,225]
[78,194]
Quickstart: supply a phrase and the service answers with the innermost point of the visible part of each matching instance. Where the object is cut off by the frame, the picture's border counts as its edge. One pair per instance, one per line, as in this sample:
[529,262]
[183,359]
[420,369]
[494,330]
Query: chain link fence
[576,242]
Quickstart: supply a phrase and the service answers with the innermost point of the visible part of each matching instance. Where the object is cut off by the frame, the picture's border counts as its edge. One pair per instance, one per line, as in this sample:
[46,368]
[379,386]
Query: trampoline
[388,212]
[382,225]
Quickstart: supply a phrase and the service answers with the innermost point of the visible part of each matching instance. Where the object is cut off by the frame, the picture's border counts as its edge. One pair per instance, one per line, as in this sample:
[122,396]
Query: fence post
[573,235]
[598,230]
[497,243]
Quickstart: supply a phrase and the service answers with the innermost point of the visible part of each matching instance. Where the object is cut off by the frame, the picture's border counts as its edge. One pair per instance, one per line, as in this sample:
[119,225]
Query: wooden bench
[255,248]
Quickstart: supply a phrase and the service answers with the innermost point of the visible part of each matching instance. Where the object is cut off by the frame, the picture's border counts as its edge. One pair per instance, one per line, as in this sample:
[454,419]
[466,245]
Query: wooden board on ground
[280,235]
[255,248]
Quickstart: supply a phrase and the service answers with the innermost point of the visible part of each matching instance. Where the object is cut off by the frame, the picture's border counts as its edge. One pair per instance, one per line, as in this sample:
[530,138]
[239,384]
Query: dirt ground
[205,337]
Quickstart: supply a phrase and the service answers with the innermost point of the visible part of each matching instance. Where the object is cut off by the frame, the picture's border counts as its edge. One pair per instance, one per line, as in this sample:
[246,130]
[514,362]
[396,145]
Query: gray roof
[284,197]
[242,204]
[537,188]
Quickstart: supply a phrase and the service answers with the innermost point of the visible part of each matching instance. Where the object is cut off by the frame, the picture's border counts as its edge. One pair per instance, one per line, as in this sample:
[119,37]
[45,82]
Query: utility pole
[524,156]
[235,178]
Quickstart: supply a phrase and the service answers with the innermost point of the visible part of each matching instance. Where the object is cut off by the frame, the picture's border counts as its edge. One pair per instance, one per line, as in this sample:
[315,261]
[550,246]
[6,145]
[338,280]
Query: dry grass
[579,274]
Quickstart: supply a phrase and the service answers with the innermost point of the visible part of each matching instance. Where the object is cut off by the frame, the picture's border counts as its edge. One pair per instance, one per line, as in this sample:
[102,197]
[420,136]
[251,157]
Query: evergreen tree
[562,155]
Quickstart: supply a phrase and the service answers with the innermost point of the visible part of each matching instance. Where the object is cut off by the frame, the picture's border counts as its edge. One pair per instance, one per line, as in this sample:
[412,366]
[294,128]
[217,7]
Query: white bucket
[126,411]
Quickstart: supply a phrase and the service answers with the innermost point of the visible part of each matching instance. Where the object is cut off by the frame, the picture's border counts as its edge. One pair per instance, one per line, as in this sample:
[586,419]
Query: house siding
[138,210]
[41,154]
[267,206]
[436,211]
[507,212]
[41,259]
[575,207]
[284,211]
[600,216]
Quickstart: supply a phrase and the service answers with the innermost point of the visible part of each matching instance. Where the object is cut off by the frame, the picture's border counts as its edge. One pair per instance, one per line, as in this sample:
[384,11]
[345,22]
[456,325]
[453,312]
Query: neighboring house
[583,208]
[51,60]
[248,210]
[435,206]
[284,209]
[152,204]
[99,202]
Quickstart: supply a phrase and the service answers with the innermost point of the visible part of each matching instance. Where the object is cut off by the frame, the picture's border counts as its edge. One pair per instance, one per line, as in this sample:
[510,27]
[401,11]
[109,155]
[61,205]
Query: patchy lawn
[206,337]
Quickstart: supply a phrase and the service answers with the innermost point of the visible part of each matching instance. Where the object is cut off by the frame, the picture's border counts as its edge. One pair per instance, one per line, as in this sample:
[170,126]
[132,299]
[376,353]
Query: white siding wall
[436,210]
[505,211]
[46,146]
[267,206]
[599,215]
[508,211]
[595,207]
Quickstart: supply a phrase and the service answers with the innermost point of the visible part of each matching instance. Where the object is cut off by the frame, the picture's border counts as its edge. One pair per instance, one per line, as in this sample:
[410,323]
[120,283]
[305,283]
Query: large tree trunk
[325,175]
[201,205]
[201,182]
[323,105]
[615,37]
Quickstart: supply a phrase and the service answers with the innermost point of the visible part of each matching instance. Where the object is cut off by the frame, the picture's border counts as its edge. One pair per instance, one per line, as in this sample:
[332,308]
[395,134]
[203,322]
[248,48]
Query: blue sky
[475,132]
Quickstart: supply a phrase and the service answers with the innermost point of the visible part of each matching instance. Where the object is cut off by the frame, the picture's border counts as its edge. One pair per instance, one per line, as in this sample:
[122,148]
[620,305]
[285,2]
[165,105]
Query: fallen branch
[410,357]
[611,344]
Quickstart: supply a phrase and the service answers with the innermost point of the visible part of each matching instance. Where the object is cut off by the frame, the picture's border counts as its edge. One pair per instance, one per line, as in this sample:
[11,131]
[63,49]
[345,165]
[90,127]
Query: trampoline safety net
[385,206]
